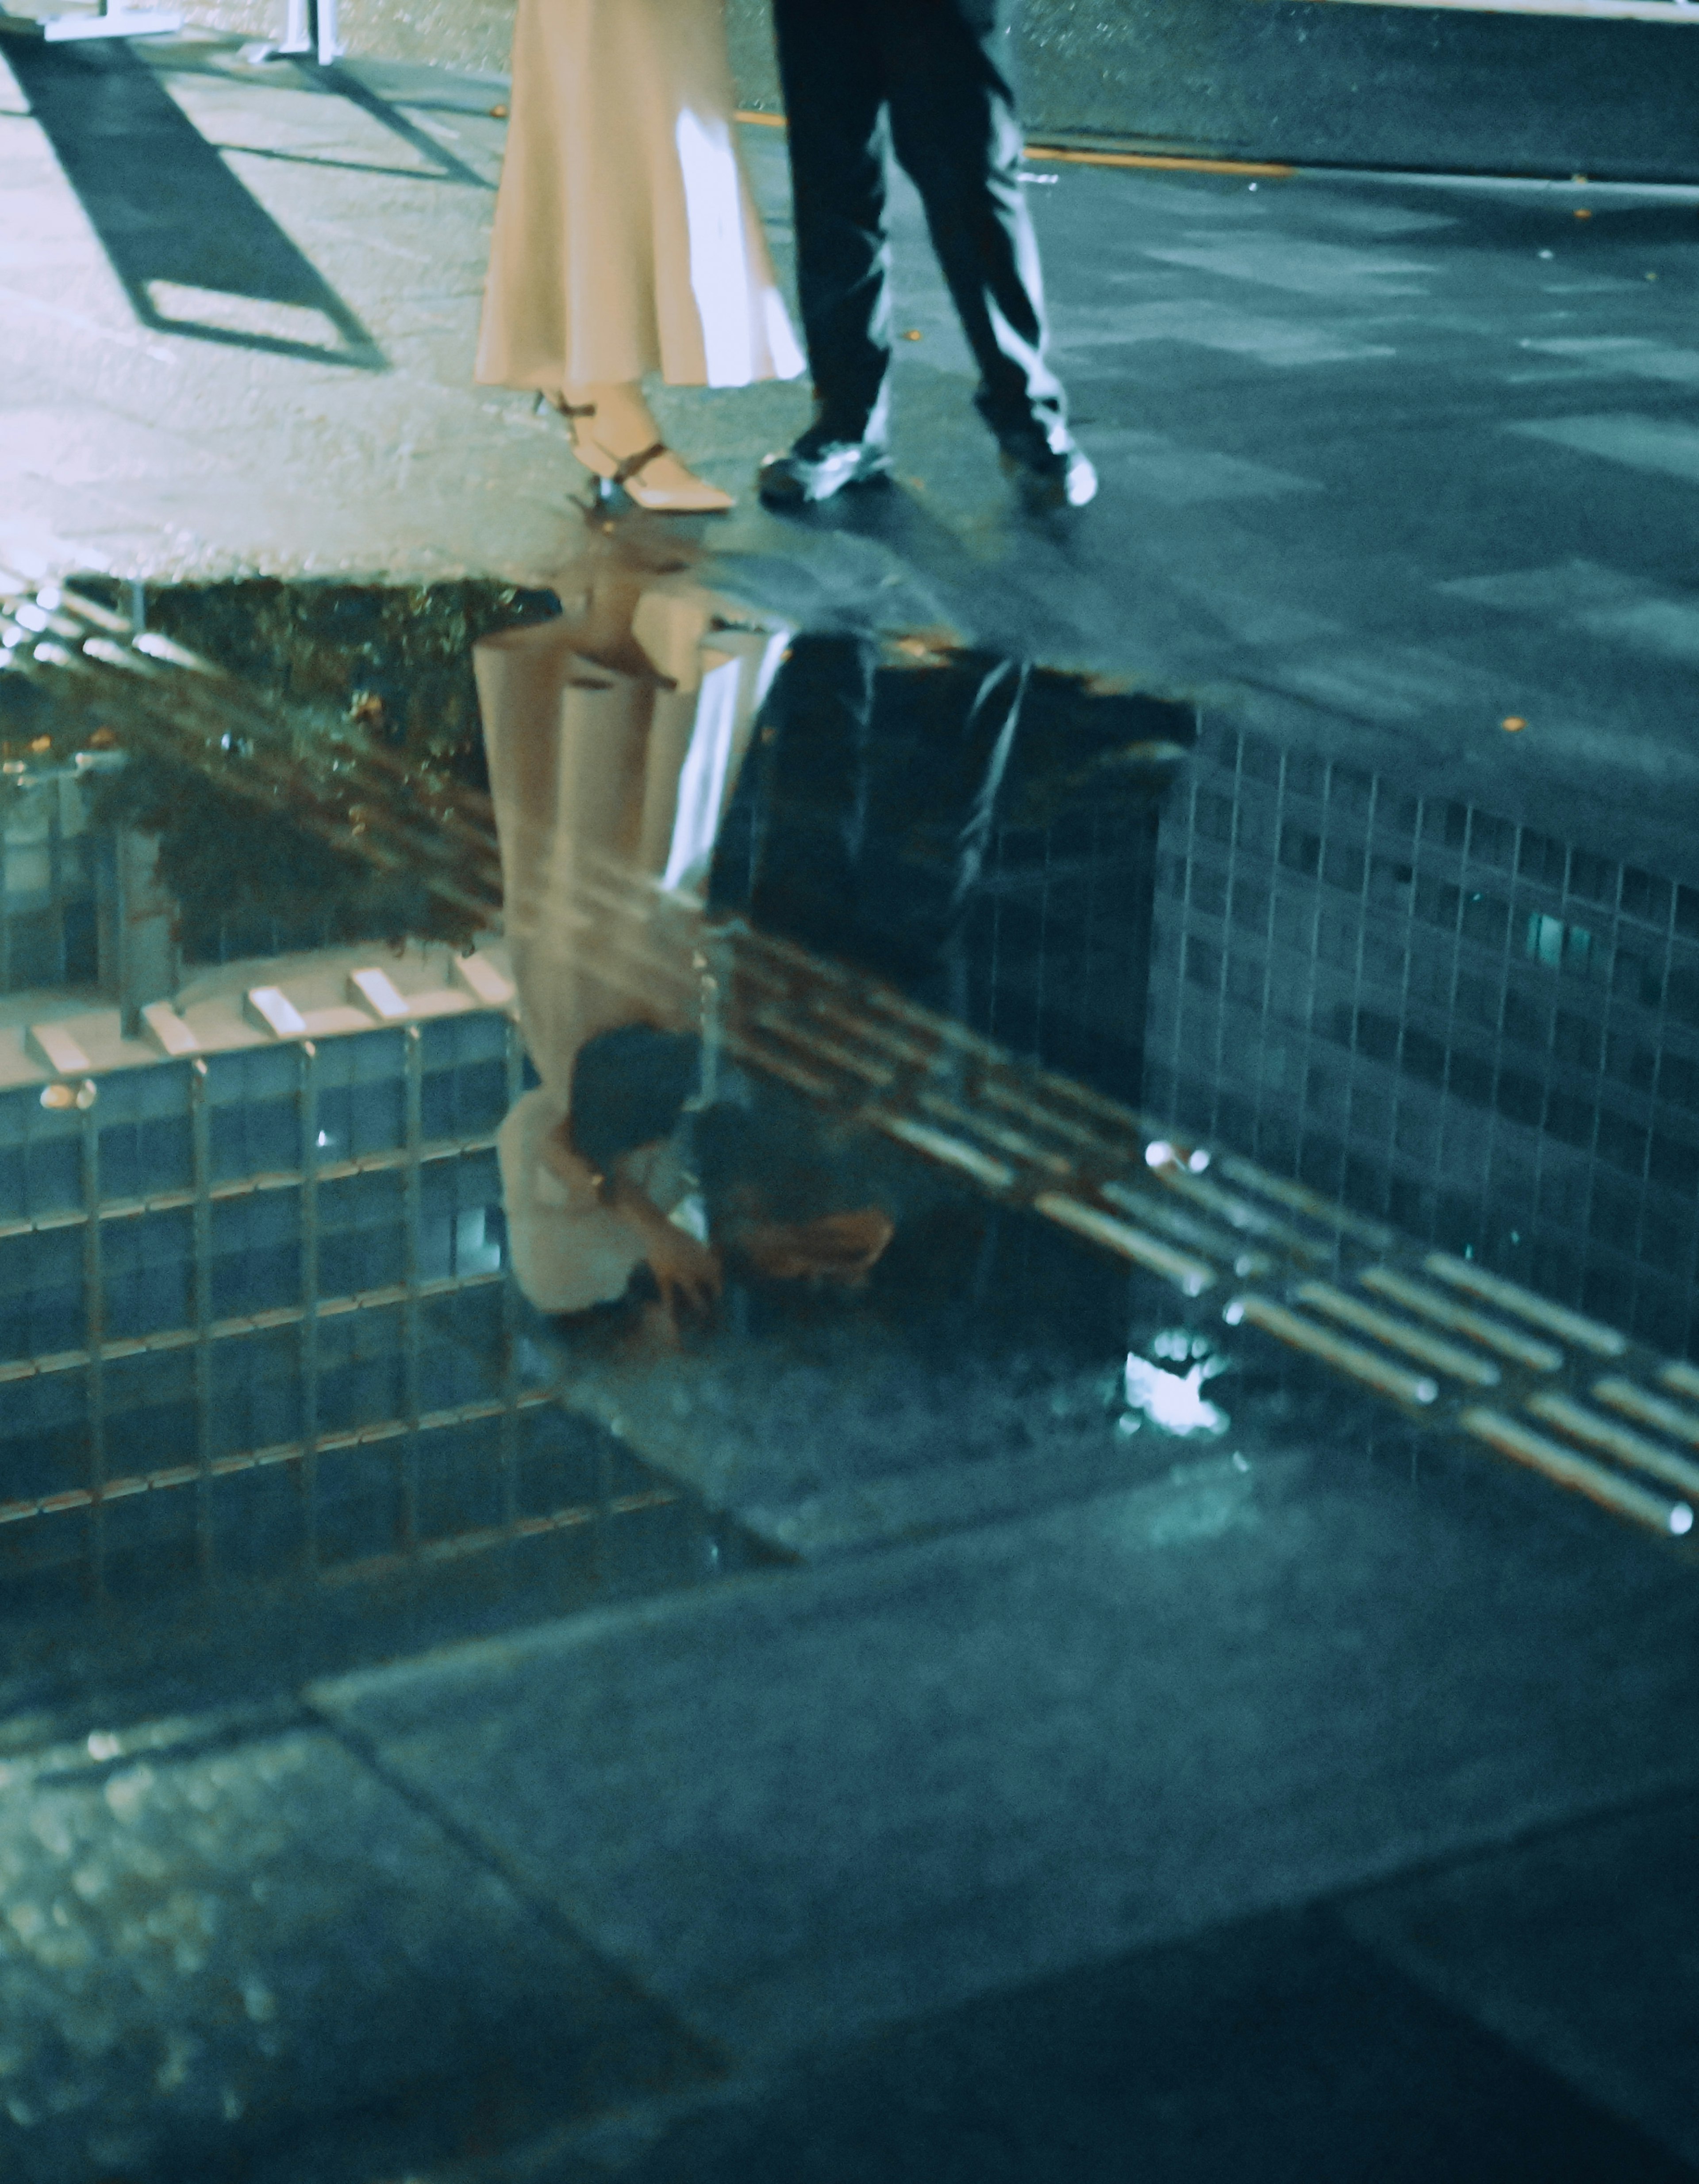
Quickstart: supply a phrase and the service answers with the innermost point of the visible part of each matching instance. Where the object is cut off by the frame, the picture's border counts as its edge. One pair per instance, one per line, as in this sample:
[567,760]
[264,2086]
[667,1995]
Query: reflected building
[819,962]
[1481,1033]
[49,899]
[255,1318]
[253,1312]
[266,1181]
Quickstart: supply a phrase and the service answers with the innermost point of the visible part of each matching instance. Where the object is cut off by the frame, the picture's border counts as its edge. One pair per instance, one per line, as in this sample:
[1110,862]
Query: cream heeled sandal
[651,476]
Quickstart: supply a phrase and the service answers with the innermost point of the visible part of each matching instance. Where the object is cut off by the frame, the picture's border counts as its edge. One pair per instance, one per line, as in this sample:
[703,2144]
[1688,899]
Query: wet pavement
[857,1348]
[810,928]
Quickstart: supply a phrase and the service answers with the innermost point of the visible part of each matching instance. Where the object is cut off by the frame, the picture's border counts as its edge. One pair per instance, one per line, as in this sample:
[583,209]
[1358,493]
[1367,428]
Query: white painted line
[1673,12]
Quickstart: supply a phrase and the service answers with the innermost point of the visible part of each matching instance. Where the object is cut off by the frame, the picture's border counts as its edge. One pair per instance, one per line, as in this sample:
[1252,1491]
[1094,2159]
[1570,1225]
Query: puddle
[792,1045]
[386,669]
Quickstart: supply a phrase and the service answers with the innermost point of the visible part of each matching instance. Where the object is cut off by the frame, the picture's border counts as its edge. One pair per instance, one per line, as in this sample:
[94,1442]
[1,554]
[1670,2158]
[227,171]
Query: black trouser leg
[834,98]
[877,801]
[806,877]
[955,129]
[941,752]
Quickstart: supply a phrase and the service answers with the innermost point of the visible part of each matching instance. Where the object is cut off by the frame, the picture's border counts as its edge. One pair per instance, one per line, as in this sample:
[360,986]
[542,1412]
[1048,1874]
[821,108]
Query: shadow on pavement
[347,84]
[196,253]
[1273,2049]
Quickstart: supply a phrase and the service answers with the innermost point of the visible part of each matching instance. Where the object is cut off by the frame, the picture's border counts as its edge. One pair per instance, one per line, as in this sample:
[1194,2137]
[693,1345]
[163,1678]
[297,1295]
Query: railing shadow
[346,84]
[196,253]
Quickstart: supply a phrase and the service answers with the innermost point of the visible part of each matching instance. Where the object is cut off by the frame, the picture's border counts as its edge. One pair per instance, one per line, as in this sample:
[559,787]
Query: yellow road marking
[1097,159]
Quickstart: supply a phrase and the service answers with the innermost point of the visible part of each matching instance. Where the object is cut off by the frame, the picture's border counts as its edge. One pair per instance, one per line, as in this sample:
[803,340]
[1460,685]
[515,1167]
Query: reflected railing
[889,1041]
[1484,1033]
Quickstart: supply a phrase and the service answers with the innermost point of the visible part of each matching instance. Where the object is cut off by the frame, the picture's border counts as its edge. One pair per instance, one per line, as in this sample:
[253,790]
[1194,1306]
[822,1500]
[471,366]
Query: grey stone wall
[1325,81]
[1317,81]
[475,36]
[750,28]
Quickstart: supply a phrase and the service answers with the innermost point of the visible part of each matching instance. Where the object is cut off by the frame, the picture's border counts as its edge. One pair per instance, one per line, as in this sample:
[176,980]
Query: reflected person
[615,737]
[859,830]
[588,764]
[867,828]
[871,804]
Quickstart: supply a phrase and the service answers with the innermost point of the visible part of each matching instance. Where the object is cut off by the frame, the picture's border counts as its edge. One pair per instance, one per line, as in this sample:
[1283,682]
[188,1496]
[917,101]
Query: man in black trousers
[930,78]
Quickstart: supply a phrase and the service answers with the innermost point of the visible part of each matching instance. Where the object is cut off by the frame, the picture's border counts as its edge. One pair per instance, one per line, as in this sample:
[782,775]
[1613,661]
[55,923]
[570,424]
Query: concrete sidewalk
[852,1873]
[803,1806]
[1389,462]
[229,421]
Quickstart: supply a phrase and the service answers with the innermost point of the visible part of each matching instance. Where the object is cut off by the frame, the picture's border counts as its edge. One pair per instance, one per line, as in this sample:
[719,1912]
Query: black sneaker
[1049,469]
[819,465]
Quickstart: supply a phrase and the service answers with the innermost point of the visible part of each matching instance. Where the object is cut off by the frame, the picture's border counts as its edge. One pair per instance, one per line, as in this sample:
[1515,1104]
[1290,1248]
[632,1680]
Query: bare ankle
[616,412]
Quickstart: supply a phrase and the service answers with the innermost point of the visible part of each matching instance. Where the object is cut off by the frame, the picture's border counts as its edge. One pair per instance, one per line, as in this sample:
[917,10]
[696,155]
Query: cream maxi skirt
[599,776]
[625,238]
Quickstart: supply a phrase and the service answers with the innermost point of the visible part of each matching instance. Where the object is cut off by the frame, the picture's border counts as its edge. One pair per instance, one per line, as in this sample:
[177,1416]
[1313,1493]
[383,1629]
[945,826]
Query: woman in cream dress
[615,736]
[625,239]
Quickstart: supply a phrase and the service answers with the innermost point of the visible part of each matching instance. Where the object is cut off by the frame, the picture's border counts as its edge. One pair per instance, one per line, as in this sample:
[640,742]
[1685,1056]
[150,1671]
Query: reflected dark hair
[629,1086]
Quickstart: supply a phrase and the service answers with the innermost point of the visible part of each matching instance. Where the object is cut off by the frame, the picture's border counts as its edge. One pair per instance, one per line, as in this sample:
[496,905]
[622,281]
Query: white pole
[118,22]
[310,27]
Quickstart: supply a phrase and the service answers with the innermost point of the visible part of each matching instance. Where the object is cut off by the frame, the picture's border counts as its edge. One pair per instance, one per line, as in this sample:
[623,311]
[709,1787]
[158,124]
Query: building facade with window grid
[255,1316]
[48,882]
[1462,1025]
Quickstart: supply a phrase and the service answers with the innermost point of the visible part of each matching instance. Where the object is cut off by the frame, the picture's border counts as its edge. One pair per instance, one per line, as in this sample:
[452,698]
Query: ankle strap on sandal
[633,464]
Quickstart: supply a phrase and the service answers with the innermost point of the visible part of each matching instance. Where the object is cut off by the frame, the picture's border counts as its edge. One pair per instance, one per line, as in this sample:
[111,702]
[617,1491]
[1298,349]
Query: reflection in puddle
[689,1061]
[1171,1395]
[1485,1035]
[697,1053]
